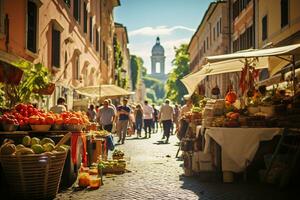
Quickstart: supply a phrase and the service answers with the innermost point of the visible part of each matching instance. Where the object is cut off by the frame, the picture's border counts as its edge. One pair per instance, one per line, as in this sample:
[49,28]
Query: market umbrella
[234,65]
[277,51]
[285,55]
[106,91]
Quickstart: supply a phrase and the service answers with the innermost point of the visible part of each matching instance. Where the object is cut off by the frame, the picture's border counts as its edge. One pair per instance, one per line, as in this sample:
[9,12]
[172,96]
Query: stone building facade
[211,38]
[73,38]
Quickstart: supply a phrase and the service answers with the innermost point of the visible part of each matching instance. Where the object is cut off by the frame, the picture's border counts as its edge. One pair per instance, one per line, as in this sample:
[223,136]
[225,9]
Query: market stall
[233,129]
[103,91]
[27,127]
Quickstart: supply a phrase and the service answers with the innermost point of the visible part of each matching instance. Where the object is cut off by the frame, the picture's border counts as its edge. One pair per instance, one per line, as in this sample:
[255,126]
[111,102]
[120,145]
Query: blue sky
[174,21]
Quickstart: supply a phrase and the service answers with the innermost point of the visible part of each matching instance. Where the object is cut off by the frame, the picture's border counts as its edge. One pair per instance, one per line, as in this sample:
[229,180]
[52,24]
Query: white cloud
[159,30]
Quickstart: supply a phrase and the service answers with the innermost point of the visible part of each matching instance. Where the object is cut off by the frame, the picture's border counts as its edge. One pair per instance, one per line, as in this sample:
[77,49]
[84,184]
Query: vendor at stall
[60,107]
[187,107]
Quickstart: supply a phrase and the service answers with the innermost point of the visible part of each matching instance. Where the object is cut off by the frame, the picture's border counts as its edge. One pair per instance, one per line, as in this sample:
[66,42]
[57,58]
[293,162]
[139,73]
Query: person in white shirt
[60,107]
[166,117]
[148,118]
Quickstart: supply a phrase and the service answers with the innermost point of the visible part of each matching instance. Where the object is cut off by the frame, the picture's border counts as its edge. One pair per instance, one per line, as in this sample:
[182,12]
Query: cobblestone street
[155,173]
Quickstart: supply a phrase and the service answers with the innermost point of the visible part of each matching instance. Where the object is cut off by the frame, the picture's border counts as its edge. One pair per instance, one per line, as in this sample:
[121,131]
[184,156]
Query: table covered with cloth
[239,145]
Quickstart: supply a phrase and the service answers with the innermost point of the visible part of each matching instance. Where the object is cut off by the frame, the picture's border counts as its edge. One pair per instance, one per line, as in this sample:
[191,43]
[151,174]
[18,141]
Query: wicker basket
[33,176]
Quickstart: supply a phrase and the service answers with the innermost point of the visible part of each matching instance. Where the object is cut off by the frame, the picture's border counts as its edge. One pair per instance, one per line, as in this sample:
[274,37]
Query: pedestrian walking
[91,113]
[138,113]
[155,119]
[106,116]
[122,124]
[166,117]
[148,118]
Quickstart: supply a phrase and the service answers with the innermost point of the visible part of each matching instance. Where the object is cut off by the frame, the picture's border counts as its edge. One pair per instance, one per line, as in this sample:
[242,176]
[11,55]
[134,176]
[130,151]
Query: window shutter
[55,48]
[31,26]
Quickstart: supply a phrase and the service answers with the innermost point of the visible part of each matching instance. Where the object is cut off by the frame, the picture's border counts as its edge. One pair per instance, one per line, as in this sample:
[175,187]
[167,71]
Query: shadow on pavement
[135,138]
[211,188]
[160,142]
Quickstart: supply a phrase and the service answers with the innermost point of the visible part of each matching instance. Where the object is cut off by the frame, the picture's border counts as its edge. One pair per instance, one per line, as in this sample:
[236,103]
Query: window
[76,10]
[97,40]
[220,26]
[77,68]
[207,43]
[85,18]
[204,46]
[214,33]
[55,47]
[1,17]
[91,29]
[264,24]
[32,26]
[66,60]
[103,52]
[284,13]
[106,55]
[238,6]
[218,31]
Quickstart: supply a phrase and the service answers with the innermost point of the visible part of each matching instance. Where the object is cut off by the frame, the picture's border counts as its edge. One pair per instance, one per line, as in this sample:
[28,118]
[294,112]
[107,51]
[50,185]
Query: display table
[239,145]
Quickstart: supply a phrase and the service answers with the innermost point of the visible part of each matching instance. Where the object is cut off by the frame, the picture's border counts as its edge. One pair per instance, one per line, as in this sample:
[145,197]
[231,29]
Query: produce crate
[113,170]
[33,176]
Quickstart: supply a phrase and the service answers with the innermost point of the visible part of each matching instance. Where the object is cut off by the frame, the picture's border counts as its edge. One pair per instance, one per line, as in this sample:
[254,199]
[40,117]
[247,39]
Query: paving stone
[155,175]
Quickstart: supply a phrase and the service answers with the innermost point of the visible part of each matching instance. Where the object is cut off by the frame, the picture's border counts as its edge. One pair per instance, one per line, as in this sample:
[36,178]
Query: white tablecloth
[239,145]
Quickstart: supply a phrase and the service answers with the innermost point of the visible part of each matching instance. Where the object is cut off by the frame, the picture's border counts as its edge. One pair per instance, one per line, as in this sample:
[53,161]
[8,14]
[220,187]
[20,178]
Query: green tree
[175,89]
[136,64]
[118,58]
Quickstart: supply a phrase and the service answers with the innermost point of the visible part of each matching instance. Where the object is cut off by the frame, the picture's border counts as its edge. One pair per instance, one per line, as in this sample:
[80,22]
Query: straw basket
[33,176]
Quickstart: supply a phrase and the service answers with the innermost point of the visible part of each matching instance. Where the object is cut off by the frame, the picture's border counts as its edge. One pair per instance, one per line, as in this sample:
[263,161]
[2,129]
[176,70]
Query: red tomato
[49,120]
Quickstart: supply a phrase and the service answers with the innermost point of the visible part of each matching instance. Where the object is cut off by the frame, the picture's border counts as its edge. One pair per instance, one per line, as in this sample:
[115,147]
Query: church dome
[157,49]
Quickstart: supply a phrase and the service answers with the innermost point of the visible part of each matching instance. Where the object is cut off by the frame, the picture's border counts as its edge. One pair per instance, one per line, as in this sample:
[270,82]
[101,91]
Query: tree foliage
[118,58]
[136,64]
[175,89]
[156,85]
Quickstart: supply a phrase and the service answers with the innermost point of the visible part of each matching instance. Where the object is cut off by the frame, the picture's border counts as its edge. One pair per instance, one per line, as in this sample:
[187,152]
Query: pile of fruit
[31,146]
[102,133]
[88,177]
[232,119]
[118,154]
[25,114]
[74,118]
[113,166]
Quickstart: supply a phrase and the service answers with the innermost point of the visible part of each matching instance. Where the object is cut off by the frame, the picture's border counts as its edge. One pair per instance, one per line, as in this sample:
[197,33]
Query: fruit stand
[30,127]
[242,128]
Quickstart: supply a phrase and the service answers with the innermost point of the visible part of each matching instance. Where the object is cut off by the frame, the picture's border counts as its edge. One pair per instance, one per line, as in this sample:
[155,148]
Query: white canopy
[103,91]
[277,51]
[236,65]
